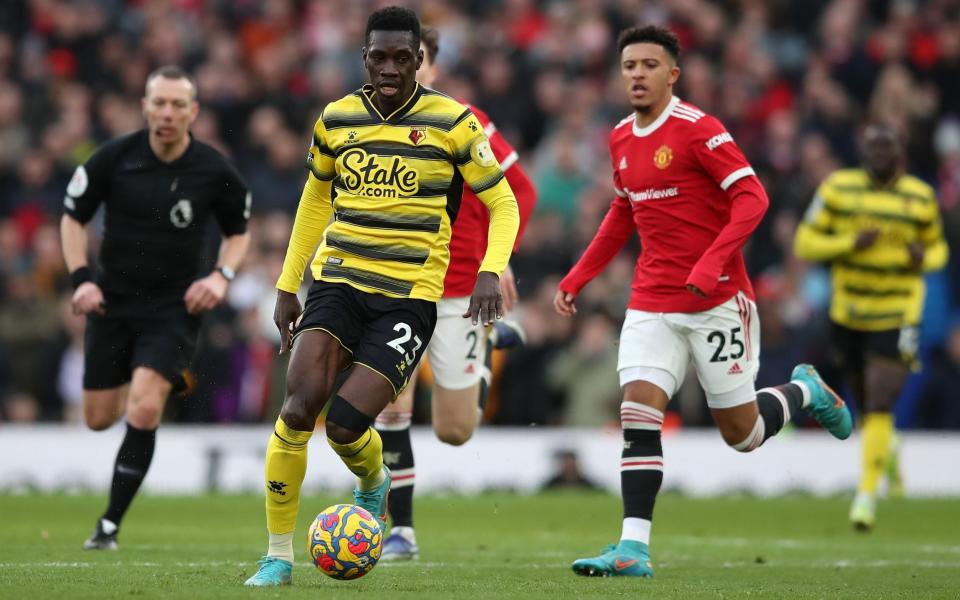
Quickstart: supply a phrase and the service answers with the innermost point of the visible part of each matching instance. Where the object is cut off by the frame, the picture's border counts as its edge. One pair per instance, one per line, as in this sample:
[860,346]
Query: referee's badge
[78,183]
[181,215]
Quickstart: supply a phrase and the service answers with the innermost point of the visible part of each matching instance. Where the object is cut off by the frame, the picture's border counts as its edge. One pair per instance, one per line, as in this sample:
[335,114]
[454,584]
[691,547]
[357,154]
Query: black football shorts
[159,334]
[388,335]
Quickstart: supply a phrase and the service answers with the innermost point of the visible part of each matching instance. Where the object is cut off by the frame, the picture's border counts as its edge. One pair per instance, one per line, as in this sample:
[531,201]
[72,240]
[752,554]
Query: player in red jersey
[458,349]
[682,183]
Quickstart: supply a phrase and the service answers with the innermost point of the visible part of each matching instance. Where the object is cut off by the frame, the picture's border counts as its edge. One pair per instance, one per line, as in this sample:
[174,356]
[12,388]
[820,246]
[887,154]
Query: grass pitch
[493,546]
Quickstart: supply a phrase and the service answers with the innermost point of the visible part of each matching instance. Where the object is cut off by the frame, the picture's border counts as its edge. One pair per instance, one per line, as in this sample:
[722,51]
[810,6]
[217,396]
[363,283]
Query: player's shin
[286,466]
[875,450]
[394,429]
[776,406]
[133,461]
[364,458]
[641,468]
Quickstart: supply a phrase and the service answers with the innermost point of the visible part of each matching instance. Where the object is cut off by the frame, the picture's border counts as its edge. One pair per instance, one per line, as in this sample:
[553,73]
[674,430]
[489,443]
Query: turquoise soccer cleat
[375,501]
[272,572]
[626,559]
[826,406]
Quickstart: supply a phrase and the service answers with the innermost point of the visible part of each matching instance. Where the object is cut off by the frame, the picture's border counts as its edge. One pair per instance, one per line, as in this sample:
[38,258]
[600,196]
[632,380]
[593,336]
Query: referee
[158,187]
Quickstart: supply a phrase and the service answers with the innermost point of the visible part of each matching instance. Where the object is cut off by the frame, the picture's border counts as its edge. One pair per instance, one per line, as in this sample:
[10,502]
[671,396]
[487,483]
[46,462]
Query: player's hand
[564,303]
[866,238]
[917,250]
[486,302]
[88,298]
[285,315]
[508,287]
[204,294]
[695,290]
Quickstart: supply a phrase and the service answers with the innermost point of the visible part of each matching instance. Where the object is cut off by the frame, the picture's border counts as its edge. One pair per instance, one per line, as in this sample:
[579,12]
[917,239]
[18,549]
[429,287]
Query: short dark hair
[430,40]
[172,72]
[650,34]
[394,18]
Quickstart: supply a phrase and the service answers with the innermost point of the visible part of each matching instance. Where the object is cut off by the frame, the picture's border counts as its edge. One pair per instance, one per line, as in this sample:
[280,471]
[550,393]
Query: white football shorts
[457,348]
[723,342]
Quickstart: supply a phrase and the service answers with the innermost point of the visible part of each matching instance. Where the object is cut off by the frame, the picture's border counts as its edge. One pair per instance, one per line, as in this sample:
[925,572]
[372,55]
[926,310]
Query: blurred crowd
[793,81]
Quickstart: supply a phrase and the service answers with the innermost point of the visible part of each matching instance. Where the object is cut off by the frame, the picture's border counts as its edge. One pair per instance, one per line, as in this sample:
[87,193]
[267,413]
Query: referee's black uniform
[155,218]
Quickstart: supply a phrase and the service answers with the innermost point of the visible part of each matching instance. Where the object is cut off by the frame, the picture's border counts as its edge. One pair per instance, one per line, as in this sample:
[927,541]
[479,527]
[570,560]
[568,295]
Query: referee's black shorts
[159,334]
[388,335]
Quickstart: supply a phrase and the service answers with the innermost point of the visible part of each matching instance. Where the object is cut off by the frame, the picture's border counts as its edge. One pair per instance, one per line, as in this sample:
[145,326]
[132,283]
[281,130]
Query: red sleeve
[519,182]
[614,232]
[748,203]
[718,154]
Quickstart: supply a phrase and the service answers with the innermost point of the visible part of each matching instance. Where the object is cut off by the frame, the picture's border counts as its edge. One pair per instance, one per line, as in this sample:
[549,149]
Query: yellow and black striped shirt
[393,186]
[873,288]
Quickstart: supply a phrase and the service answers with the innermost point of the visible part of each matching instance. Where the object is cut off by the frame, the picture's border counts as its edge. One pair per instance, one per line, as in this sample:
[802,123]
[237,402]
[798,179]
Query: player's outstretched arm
[615,230]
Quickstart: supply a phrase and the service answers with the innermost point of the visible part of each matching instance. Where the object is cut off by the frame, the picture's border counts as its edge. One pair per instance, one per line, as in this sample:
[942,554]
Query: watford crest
[417,134]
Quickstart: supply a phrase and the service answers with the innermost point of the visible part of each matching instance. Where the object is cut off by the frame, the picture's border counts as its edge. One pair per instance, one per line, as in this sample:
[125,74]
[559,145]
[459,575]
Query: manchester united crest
[417,134]
[663,157]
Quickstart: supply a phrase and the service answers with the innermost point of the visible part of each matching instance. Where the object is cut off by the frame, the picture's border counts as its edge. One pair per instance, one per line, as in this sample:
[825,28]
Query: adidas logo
[623,163]
[735,369]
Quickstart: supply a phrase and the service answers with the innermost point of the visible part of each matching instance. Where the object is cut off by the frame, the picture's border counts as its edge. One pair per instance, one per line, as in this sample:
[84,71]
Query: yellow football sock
[877,432]
[285,468]
[364,458]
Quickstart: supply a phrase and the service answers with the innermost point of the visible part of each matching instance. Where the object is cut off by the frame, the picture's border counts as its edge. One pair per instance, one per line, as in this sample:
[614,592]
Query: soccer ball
[345,541]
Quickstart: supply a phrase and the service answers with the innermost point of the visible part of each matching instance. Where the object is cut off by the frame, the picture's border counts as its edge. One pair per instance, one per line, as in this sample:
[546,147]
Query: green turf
[494,546]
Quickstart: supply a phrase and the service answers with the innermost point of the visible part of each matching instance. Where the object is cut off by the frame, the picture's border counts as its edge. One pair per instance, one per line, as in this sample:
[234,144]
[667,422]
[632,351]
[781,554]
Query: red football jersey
[468,242]
[673,182]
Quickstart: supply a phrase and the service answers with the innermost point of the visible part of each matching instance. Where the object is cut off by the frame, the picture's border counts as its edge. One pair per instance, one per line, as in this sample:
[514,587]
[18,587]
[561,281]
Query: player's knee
[455,435]
[345,424]
[98,419]
[735,435]
[145,414]
[302,404]
[339,434]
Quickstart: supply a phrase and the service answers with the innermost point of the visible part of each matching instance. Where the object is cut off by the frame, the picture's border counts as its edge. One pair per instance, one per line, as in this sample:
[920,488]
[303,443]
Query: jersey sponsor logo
[719,139]
[78,183]
[482,154]
[181,215]
[653,194]
[663,157]
[417,134]
[623,163]
[372,176]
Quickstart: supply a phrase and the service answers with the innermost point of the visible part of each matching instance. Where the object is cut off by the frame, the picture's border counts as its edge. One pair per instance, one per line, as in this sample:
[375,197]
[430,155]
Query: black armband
[80,276]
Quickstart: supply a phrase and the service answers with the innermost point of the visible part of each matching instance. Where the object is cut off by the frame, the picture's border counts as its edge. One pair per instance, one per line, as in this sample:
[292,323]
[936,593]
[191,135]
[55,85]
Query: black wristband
[80,276]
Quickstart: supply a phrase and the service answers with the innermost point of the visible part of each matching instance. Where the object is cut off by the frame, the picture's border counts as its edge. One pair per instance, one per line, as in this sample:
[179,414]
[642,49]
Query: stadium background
[792,80]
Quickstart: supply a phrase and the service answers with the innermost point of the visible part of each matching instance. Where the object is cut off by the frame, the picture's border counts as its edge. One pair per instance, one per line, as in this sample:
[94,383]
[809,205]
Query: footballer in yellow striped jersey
[880,229]
[387,167]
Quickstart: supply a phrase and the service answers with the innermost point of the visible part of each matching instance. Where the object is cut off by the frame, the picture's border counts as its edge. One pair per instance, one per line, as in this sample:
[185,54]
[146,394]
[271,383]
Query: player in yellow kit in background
[388,162]
[880,229]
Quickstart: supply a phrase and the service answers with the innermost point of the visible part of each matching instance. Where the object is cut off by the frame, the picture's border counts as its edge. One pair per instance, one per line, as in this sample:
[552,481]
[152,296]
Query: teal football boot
[626,559]
[826,406]
[273,572]
[375,501]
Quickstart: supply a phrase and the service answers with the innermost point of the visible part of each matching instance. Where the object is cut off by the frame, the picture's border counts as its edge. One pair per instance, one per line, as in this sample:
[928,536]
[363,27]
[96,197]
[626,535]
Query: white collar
[645,131]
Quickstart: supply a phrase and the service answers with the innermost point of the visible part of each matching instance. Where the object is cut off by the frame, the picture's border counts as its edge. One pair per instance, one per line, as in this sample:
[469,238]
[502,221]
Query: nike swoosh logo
[623,564]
